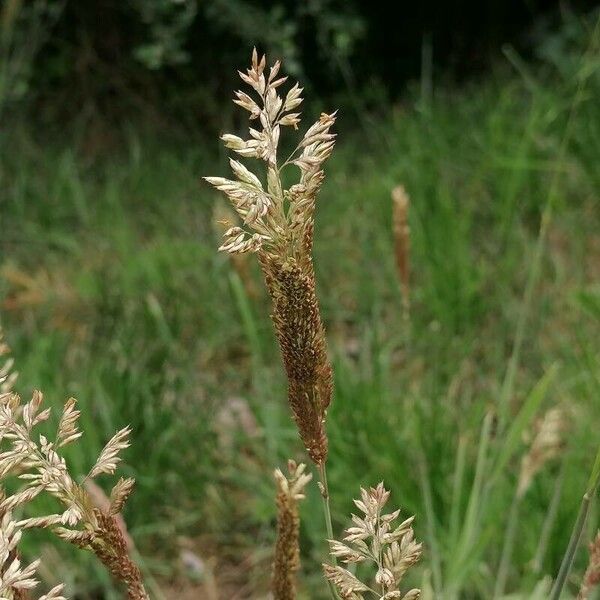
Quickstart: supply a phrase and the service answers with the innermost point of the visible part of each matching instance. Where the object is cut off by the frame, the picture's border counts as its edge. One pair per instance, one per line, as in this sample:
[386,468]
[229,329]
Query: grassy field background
[112,291]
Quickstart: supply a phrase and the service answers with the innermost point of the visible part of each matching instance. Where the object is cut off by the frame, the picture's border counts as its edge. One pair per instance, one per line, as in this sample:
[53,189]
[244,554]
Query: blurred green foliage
[111,290]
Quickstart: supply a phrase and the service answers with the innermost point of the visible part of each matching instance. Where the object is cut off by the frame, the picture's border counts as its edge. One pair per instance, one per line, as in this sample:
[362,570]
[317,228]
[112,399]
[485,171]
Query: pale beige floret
[36,462]
[374,539]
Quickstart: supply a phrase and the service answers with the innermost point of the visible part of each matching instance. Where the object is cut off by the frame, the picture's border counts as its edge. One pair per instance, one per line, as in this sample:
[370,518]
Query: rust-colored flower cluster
[277,224]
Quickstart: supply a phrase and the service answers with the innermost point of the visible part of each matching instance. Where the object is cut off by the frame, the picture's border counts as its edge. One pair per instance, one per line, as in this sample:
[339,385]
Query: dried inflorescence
[400,204]
[290,489]
[591,577]
[374,539]
[37,463]
[546,445]
[16,579]
[278,226]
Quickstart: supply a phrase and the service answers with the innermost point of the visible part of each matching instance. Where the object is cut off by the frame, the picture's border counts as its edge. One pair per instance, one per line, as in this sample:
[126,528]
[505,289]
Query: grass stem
[569,557]
[549,522]
[324,490]
[507,547]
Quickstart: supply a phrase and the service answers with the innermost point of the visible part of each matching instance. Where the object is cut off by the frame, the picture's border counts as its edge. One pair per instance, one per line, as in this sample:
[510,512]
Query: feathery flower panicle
[36,462]
[7,375]
[15,578]
[546,445]
[400,204]
[277,224]
[375,539]
[591,577]
[290,490]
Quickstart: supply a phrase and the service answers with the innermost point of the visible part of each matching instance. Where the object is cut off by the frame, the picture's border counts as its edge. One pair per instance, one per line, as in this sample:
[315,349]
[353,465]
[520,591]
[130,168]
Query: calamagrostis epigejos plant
[278,226]
[290,489]
[592,574]
[374,539]
[36,462]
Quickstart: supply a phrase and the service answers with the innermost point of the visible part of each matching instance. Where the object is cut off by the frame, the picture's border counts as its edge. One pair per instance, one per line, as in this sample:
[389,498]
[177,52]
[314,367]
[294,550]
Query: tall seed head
[286,563]
[400,204]
[277,224]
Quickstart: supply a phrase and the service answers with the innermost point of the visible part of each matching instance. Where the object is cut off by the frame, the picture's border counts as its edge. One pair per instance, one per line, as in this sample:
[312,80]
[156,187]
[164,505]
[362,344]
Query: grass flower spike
[374,539]
[35,461]
[400,205]
[546,445]
[277,225]
[290,490]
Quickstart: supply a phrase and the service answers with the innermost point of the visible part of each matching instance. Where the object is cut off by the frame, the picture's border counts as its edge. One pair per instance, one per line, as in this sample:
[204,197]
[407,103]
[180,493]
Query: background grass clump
[112,291]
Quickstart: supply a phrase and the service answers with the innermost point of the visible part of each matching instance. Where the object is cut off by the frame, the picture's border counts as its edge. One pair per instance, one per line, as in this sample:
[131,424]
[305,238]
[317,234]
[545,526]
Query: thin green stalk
[457,486]
[507,547]
[324,489]
[472,516]
[436,562]
[549,521]
[569,557]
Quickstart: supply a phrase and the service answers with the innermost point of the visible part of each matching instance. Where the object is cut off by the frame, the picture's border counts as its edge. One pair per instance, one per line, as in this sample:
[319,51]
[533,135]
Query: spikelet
[120,494]
[278,226]
[67,428]
[546,445]
[374,538]
[287,554]
[400,204]
[223,219]
[591,577]
[109,457]
[7,375]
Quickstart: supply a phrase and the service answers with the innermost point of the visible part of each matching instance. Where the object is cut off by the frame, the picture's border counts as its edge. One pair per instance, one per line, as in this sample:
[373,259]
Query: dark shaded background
[112,59]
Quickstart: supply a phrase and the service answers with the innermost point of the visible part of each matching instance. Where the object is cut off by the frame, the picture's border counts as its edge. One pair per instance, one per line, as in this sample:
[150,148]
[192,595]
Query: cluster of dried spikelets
[37,463]
[374,538]
[591,578]
[277,224]
[290,489]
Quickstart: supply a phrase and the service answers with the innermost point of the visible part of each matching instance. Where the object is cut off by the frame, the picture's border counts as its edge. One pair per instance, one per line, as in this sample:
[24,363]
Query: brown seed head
[400,204]
[287,553]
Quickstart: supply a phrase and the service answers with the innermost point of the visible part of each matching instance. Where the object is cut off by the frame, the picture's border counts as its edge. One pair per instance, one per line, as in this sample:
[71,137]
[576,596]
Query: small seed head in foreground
[290,490]
[375,539]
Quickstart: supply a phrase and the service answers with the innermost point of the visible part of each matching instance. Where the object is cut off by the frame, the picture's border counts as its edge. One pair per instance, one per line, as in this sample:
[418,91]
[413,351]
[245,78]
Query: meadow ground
[112,291]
